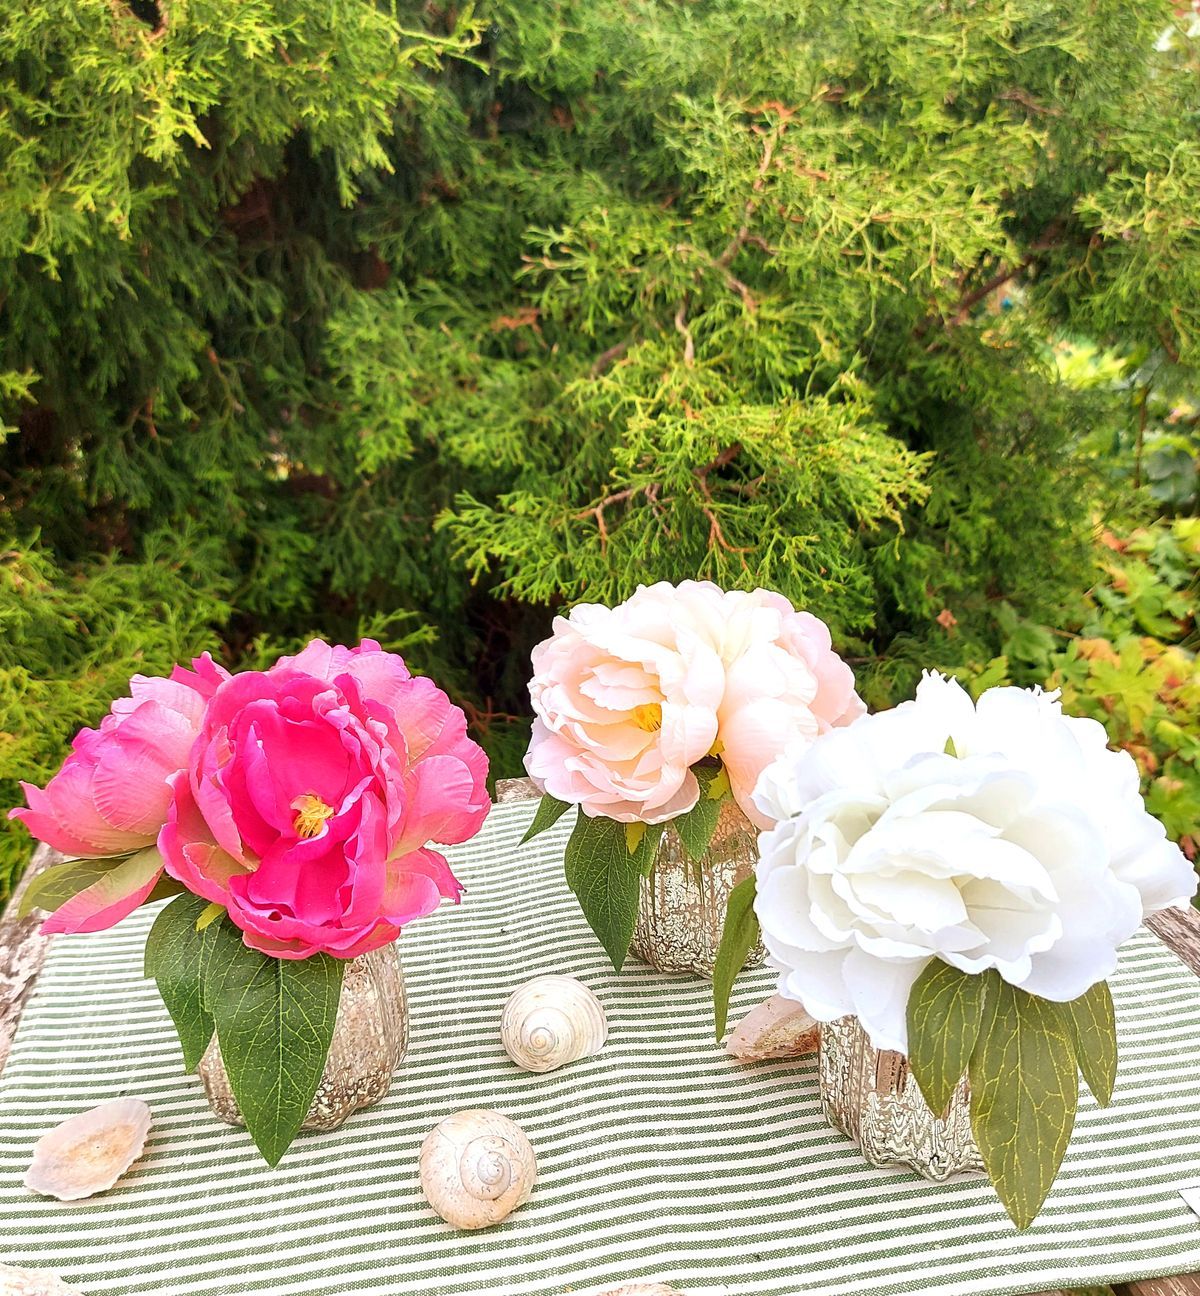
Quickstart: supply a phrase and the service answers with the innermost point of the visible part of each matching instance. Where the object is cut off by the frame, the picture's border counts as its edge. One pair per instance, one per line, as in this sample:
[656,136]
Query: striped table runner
[659,1158]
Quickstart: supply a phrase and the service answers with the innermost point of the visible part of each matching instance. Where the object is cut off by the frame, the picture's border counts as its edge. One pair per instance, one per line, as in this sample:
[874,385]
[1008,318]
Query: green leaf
[210,915]
[738,936]
[1024,1090]
[175,957]
[123,877]
[274,1019]
[634,832]
[696,827]
[54,886]
[648,851]
[950,749]
[550,810]
[945,1011]
[719,785]
[1092,1023]
[606,878]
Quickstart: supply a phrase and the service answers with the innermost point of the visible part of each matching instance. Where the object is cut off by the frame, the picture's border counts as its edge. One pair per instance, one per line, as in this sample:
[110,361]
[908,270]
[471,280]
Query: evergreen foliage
[1126,656]
[380,315]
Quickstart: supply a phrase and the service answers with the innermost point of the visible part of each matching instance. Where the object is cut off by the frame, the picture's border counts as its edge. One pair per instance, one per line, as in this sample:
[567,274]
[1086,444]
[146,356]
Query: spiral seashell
[477,1167]
[88,1153]
[550,1021]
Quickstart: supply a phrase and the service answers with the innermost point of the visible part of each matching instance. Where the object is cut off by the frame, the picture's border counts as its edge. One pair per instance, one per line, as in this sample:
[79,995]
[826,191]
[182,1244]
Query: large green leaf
[738,935]
[274,1019]
[606,876]
[175,957]
[697,826]
[1092,1023]
[124,877]
[945,1011]
[51,888]
[1024,1090]
[550,810]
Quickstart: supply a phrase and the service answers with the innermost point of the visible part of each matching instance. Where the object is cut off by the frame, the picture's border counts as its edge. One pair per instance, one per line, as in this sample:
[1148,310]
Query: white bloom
[1001,834]
[627,699]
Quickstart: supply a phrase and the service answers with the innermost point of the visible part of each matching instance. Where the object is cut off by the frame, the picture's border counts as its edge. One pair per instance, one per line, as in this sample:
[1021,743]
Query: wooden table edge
[23,953]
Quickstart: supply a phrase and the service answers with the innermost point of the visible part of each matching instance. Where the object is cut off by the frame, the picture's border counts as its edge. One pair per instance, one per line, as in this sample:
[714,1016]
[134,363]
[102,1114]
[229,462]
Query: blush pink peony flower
[784,686]
[311,795]
[112,793]
[628,699]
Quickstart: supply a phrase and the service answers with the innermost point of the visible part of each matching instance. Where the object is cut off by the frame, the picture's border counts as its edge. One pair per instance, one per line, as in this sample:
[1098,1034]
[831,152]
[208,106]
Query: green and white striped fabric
[660,1159]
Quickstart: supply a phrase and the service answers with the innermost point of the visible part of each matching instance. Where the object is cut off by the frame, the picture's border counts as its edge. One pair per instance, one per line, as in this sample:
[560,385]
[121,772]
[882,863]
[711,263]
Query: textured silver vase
[370,1037]
[873,1098]
[681,910]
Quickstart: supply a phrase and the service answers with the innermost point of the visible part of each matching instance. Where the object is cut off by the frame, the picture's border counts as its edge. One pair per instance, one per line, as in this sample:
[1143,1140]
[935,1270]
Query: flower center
[311,813]
[648,716]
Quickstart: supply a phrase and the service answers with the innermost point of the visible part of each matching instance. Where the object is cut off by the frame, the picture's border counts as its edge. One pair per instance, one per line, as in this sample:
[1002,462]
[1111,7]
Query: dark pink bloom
[312,793]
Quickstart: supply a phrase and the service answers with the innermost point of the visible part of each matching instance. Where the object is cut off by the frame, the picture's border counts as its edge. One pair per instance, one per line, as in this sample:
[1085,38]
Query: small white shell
[777,1028]
[550,1021]
[477,1167]
[33,1282]
[88,1153]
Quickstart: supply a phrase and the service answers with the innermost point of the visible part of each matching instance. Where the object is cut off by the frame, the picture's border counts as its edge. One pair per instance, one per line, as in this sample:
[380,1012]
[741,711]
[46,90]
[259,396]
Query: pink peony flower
[628,699]
[112,793]
[784,686]
[311,795]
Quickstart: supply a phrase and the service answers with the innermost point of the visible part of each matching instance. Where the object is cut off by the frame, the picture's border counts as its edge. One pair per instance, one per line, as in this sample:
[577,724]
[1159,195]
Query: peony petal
[879,992]
[446,802]
[41,821]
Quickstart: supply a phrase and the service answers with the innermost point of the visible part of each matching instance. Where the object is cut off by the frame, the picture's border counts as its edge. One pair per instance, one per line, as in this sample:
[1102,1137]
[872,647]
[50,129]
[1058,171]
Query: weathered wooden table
[23,951]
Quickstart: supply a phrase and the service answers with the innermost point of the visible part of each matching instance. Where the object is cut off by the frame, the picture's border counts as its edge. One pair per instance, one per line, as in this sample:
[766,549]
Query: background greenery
[424,321]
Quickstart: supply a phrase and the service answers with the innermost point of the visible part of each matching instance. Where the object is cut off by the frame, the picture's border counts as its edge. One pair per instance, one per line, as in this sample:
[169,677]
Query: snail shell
[550,1021]
[477,1167]
[89,1152]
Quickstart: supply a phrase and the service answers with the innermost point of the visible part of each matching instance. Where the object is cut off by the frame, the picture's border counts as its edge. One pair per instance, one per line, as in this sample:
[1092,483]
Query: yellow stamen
[311,813]
[648,716]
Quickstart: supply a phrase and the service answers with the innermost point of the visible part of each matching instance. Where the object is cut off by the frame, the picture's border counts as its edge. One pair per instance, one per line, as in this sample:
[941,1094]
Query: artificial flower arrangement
[289,813]
[959,876]
[651,712]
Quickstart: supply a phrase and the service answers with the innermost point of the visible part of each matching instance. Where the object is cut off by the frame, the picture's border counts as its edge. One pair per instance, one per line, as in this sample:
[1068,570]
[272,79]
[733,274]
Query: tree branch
[743,236]
[689,345]
[1049,238]
[606,358]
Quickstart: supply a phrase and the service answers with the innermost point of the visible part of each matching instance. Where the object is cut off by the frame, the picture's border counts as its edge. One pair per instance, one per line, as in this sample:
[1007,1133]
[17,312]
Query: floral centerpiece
[958,877]
[289,813]
[648,715]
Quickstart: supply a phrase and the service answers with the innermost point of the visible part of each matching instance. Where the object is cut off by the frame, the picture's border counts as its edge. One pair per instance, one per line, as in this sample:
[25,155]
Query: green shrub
[443,318]
[1128,659]
[70,641]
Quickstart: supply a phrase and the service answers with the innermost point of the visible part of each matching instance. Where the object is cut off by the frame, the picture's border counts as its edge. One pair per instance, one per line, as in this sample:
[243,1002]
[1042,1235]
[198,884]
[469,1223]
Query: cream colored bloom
[998,835]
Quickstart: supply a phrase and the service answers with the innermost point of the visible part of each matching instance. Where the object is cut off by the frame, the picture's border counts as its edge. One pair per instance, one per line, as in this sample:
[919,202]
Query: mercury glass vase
[370,1037]
[681,910]
[872,1097]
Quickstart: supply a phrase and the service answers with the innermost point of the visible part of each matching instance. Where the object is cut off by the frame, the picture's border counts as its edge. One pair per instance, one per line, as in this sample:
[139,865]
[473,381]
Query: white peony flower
[998,834]
[627,699]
